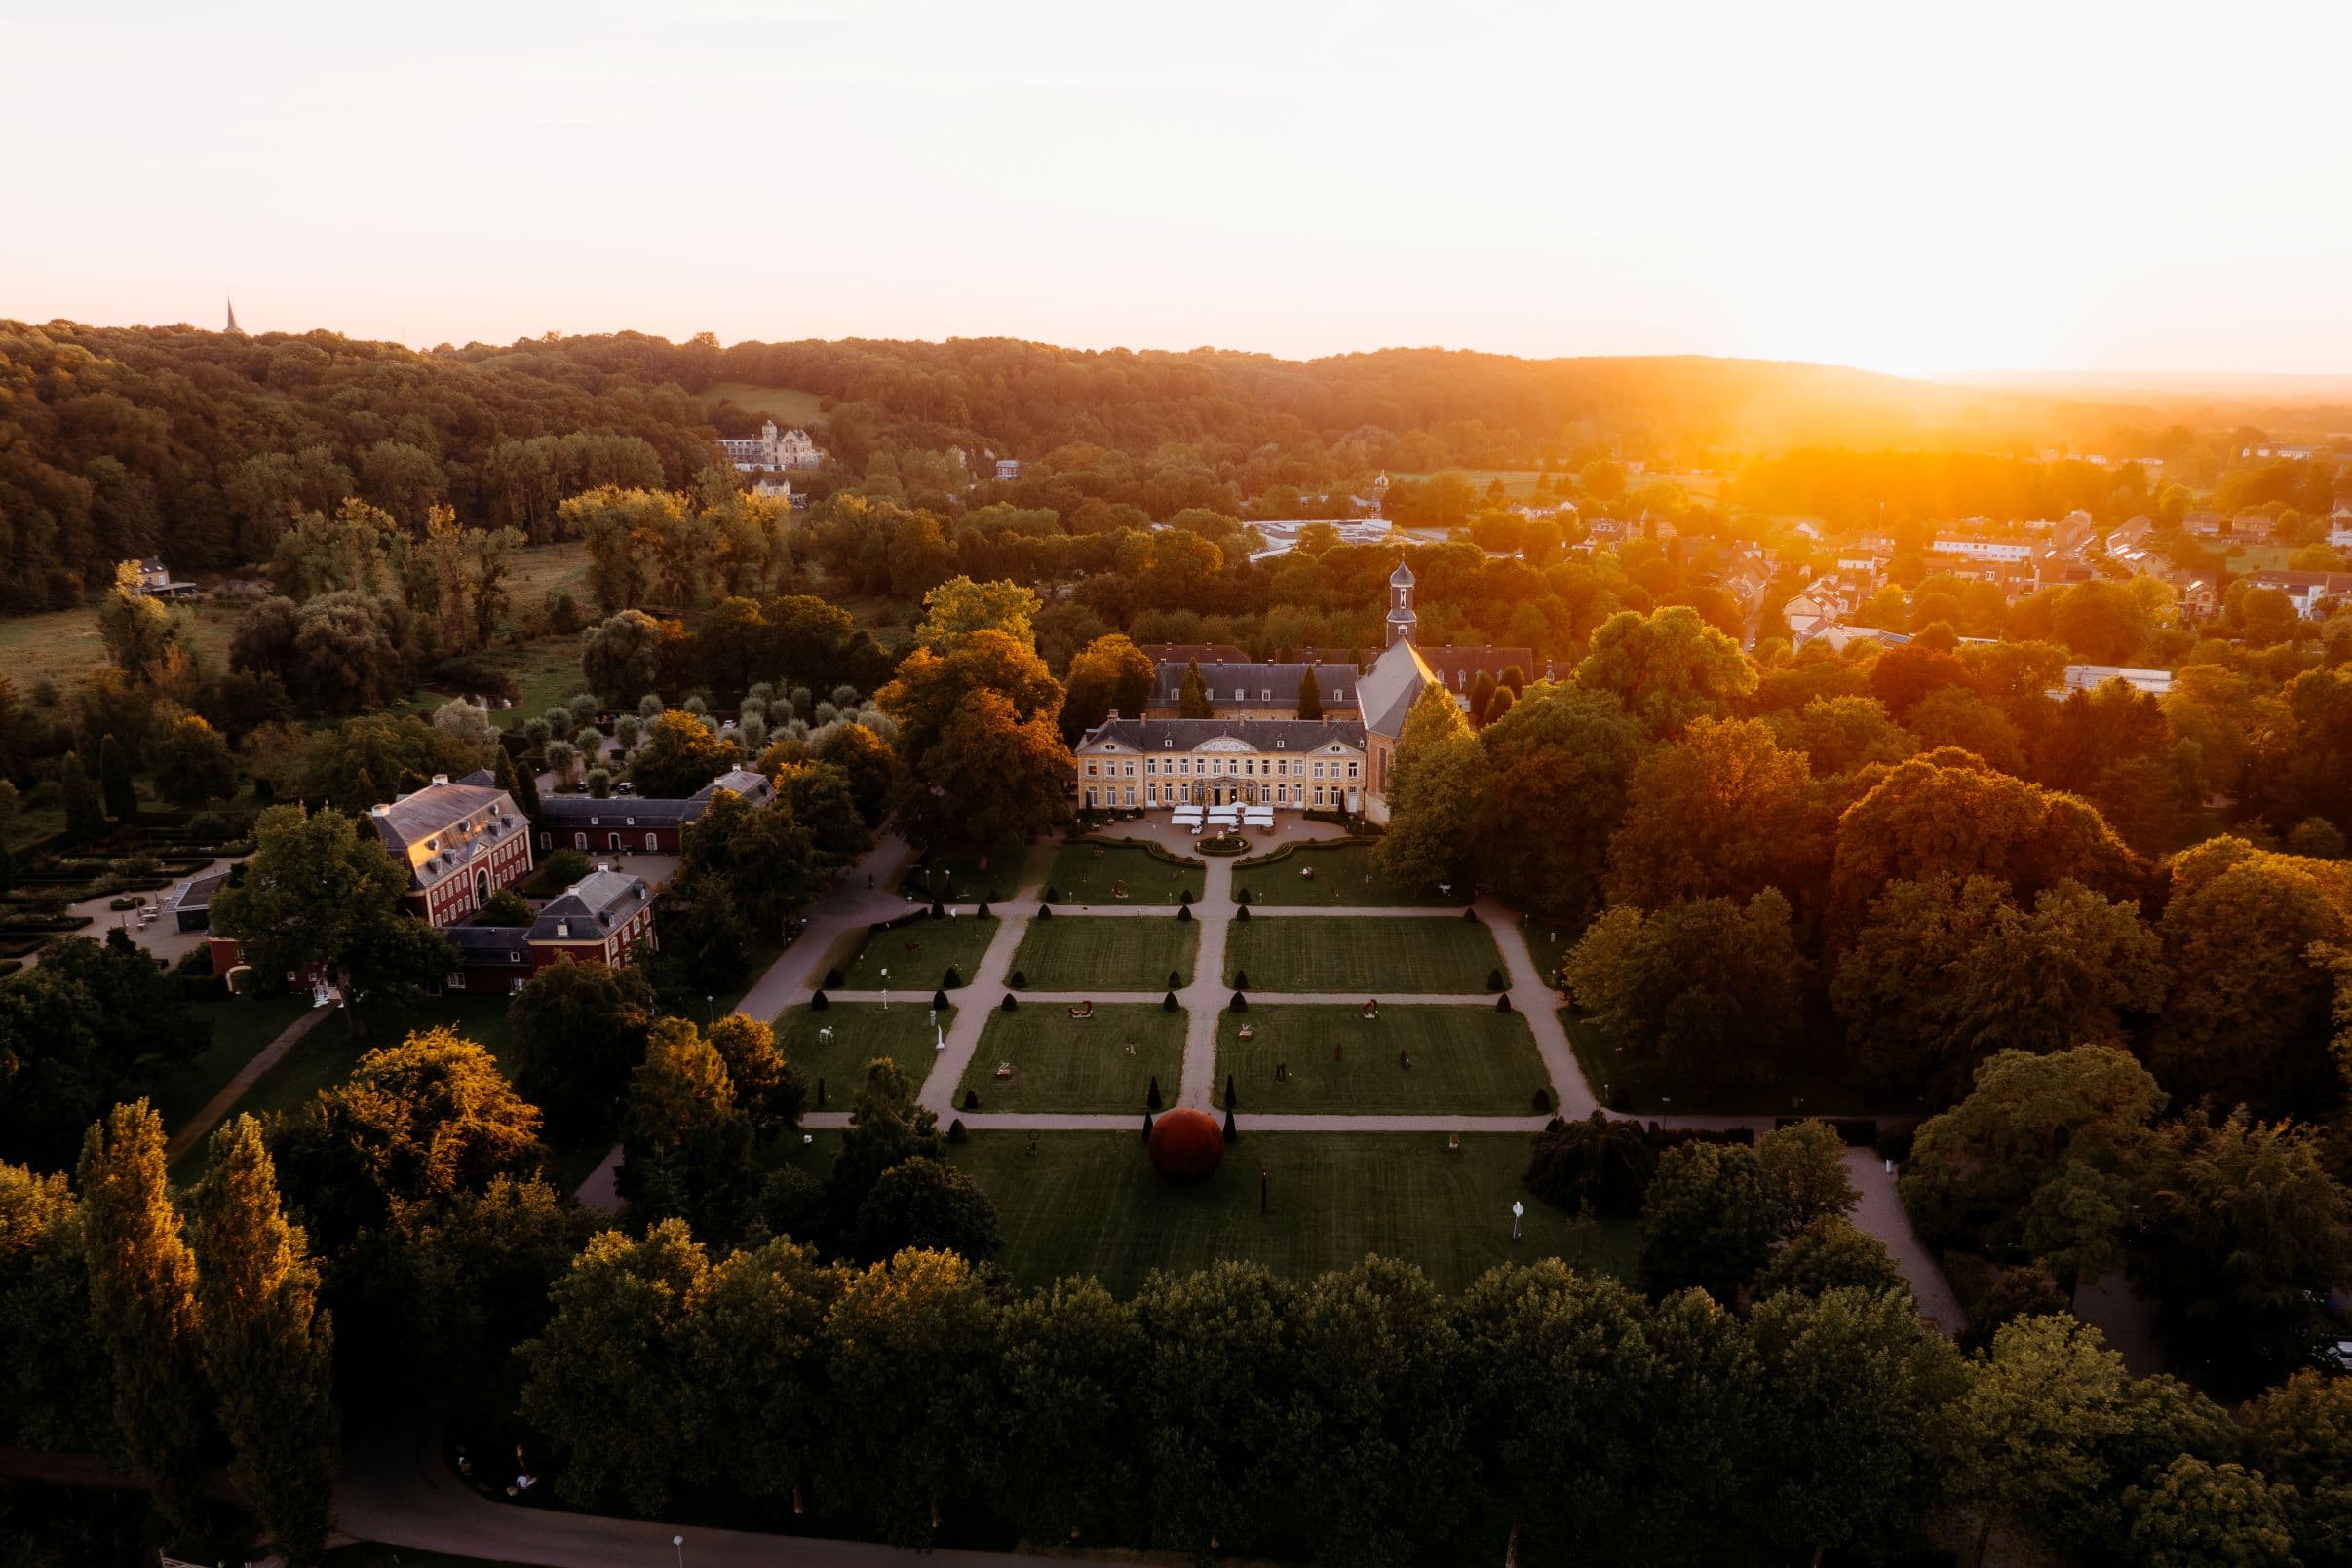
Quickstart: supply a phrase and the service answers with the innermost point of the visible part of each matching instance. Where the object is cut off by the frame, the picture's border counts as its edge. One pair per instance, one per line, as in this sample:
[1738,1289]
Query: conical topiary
[1051,897]
[1176,978]
[1242,898]
[1011,1004]
[938,1000]
[951,980]
[1502,1003]
[981,913]
[939,909]
[832,979]
[1185,896]
[971,1099]
[1147,1127]
[820,1002]
[1167,1004]
[1469,916]
[1233,1134]
[1494,980]
[1151,1097]
[955,1131]
[1241,979]
[1231,1098]
[1044,911]
[1240,1003]
[1184,911]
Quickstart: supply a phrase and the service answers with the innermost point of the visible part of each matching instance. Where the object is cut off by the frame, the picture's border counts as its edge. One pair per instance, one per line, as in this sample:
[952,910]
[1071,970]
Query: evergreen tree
[267,1347]
[1310,695]
[1192,701]
[85,811]
[1481,693]
[524,787]
[114,781]
[142,1306]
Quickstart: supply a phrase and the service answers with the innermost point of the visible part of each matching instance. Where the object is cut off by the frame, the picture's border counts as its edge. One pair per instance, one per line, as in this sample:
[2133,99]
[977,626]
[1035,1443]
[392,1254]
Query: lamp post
[1517,1209]
[679,1543]
[886,991]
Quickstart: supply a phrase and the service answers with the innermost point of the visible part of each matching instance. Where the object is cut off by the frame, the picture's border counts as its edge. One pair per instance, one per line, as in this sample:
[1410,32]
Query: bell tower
[1401,617]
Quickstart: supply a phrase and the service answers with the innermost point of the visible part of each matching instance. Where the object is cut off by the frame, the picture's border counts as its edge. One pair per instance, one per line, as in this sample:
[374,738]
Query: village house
[156,581]
[2312,594]
[460,842]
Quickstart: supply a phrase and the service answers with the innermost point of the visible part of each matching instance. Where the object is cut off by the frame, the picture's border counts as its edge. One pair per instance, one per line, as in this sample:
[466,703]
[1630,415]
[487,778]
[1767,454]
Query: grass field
[1061,1063]
[918,954]
[241,1026]
[1548,944]
[861,1032]
[62,646]
[1088,1203]
[1817,1079]
[1344,875]
[972,873]
[1107,952]
[1092,873]
[1467,1059]
[785,405]
[1371,954]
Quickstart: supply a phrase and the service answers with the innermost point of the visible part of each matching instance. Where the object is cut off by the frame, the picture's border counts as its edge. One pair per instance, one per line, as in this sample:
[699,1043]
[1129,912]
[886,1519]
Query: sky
[1925,189]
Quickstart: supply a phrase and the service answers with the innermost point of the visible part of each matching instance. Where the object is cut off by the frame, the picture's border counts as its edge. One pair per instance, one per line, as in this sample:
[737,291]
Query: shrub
[1857,1132]
[1167,1004]
[1241,900]
[1233,1134]
[955,1131]
[1596,1164]
[1151,1097]
[1502,1003]
[1231,1098]
[951,980]
[1175,979]
[820,1002]
[1051,897]
[1241,911]
[1241,1003]
[1019,980]
[1044,911]
[1494,980]
[1011,1004]
[1241,979]
[1543,1102]
[1183,896]
[939,909]
[981,913]
[938,1000]
[208,827]
[1469,916]
[1184,911]
[832,979]
[971,1099]
[1148,1127]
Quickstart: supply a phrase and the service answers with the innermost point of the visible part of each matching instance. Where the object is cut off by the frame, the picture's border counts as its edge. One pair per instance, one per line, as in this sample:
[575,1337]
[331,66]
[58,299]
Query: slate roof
[590,907]
[1254,680]
[1142,735]
[1388,690]
[491,944]
[427,829]
[633,811]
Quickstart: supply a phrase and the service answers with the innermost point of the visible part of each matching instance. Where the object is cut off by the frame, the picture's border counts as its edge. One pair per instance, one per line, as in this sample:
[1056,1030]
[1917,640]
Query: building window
[1090,794]
[1351,770]
[578,841]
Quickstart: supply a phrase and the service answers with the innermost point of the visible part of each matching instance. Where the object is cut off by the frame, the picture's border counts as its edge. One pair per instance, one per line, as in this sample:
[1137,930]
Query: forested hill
[120,441]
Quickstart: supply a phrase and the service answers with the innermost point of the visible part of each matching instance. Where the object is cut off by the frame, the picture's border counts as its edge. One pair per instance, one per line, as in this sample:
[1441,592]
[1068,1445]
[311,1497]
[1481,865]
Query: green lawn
[241,1026]
[545,673]
[970,873]
[1096,873]
[1816,1076]
[1061,1063]
[861,1032]
[919,954]
[1088,1203]
[1371,954]
[1107,952]
[1467,1059]
[1344,875]
[1548,944]
[789,407]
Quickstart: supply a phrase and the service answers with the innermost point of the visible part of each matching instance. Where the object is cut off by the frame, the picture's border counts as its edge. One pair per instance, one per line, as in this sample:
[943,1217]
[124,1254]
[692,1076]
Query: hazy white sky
[1894,184]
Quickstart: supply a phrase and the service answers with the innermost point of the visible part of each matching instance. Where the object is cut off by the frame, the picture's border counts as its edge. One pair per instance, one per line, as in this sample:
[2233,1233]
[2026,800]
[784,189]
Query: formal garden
[1408,1058]
[918,953]
[1372,954]
[1330,873]
[833,1044]
[1107,952]
[1046,1058]
[1087,871]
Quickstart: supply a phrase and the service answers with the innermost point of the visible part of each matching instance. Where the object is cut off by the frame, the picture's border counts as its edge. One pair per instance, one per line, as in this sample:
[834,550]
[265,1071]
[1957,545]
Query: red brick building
[461,842]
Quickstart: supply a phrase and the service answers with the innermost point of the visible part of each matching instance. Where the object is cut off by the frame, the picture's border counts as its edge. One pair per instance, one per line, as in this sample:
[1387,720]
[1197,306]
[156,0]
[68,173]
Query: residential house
[2312,594]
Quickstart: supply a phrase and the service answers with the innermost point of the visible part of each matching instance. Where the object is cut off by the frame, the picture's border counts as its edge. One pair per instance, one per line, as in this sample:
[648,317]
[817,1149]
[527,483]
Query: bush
[1011,1004]
[1241,900]
[832,979]
[1857,1131]
[1241,1003]
[1231,1098]
[1017,980]
[208,827]
[1233,1134]
[955,1131]
[1241,979]
[1151,1097]
[939,909]
[1051,897]
[1044,911]
[938,1000]
[1494,980]
[1241,911]
[981,913]
[1167,1004]
[971,1099]
[820,1002]
[1184,911]
[1543,1102]
[1183,896]
[563,868]
[1597,1166]
[952,980]
[1502,1003]
[1469,916]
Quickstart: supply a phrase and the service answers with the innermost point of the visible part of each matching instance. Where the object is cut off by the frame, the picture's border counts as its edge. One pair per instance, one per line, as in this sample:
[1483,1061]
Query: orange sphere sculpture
[1187,1145]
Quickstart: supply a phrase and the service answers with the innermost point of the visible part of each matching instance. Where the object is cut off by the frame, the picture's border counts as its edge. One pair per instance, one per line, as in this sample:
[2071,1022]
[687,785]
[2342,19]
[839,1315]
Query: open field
[972,873]
[62,646]
[919,954]
[861,1032]
[241,1026]
[1096,873]
[1470,1059]
[1817,1079]
[1061,1063]
[787,406]
[1372,954]
[1344,875]
[1107,953]
[1088,1203]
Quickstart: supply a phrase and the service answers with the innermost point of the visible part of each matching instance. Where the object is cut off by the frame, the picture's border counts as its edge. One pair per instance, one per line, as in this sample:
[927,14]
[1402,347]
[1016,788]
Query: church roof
[1389,689]
[1401,577]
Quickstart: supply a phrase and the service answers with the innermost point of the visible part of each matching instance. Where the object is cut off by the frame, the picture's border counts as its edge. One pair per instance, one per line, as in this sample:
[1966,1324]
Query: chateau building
[461,842]
[771,452]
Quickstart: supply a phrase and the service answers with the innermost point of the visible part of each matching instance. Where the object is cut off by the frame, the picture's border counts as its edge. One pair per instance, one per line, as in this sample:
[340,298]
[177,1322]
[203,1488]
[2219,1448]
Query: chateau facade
[771,452]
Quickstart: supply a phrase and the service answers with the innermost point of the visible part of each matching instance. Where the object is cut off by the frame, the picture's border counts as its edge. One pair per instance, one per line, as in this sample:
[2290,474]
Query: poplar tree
[142,1307]
[266,1344]
[114,782]
[1192,700]
[85,811]
[1310,695]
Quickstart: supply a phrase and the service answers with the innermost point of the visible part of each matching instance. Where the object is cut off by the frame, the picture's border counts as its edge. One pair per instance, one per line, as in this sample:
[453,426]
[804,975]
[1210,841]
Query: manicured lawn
[1371,954]
[919,954]
[1344,875]
[241,1026]
[970,873]
[1096,873]
[1088,1203]
[1107,952]
[861,1032]
[1471,1059]
[1817,1076]
[1061,1063]
[1548,944]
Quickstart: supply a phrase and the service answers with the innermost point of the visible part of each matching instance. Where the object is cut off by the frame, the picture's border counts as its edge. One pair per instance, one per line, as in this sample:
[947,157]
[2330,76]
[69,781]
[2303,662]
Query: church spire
[233,329]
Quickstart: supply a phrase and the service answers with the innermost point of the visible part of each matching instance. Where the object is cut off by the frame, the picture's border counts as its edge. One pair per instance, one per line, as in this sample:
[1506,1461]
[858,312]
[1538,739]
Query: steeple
[1401,617]
[233,329]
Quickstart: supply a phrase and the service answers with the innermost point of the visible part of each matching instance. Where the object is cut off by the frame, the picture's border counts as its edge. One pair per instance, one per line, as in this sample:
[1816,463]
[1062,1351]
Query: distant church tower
[1401,619]
[233,329]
